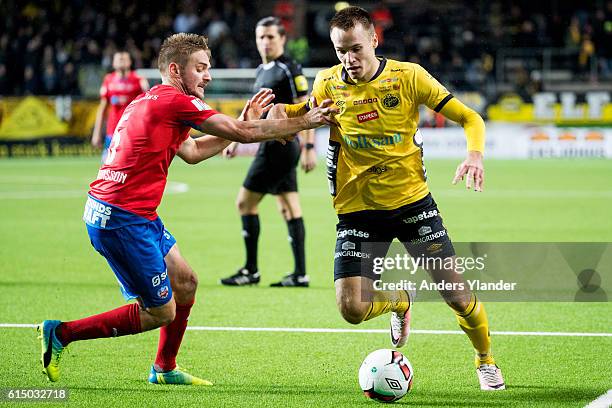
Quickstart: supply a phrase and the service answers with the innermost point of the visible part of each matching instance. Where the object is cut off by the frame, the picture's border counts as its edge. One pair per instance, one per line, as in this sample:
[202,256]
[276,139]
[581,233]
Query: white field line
[172,187]
[330,330]
[604,401]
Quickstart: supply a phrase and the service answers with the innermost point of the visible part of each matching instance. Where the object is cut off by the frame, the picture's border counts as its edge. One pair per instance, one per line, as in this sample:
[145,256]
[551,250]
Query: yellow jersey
[375,156]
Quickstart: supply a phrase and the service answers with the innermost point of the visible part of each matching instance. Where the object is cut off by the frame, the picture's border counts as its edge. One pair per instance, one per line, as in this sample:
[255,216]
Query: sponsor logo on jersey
[431,237]
[348,245]
[388,80]
[365,101]
[433,248]
[364,117]
[384,88]
[158,279]
[391,101]
[397,70]
[377,169]
[340,103]
[424,230]
[97,213]
[340,87]
[354,254]
[372,142]
[352,232]
[425,215]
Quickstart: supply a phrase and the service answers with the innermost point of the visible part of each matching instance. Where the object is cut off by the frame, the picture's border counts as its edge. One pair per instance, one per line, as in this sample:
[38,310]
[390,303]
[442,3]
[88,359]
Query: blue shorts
[135,253]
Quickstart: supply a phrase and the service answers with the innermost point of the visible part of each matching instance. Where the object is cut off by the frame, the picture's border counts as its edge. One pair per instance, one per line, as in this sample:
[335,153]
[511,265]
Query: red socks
[170,338]
[118,322]
[126,320]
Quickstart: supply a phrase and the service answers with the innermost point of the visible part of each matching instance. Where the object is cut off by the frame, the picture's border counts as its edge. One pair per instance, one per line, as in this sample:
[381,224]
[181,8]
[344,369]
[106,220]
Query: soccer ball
[385,375]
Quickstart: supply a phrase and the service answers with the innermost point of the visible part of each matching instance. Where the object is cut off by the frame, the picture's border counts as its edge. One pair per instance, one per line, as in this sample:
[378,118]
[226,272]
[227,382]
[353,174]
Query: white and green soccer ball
[385,375]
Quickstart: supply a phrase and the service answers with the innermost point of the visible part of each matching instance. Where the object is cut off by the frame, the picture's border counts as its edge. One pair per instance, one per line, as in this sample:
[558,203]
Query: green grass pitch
[49,270]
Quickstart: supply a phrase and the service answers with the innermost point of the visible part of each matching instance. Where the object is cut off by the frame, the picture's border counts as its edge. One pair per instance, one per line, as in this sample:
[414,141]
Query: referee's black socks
[250,233]
[296,239]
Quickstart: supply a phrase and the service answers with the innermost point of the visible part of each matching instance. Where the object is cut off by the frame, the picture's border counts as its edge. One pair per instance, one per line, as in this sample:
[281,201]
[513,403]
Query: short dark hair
[178,47]
[349,17]
[122,51]
[272,21]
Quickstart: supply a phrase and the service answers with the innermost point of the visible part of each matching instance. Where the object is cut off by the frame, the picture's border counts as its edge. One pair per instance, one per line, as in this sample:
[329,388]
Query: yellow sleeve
[429,91]
[472,123]
[296,109]
[433,94]
[299,109]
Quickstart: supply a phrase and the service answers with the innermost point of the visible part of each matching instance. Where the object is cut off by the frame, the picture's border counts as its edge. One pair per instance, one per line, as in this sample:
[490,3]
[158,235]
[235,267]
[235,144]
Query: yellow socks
[473,321]
[387,301]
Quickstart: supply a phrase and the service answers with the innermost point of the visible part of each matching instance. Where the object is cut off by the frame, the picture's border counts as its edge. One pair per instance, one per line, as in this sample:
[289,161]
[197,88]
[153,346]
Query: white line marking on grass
[604,401]
[331,330]
[532,193]
[29,195]
[172,187]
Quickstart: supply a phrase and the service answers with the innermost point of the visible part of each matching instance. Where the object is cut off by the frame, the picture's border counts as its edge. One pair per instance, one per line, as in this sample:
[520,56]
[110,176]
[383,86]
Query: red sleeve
[191,111]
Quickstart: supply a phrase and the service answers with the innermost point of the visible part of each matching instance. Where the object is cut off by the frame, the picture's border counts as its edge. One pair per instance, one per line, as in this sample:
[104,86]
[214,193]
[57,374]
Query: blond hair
[178,47]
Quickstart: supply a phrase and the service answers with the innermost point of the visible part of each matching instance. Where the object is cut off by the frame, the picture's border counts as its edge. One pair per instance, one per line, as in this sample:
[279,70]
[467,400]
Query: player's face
[196,74]
[355,49]
[121,61]
[270,43]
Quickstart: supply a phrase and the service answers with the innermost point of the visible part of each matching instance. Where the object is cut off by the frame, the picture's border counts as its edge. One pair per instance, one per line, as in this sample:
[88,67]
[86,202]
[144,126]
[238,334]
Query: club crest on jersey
[162,293]
[390,101]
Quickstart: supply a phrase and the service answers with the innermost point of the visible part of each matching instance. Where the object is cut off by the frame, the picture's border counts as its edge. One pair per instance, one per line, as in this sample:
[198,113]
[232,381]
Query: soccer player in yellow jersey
[378,181]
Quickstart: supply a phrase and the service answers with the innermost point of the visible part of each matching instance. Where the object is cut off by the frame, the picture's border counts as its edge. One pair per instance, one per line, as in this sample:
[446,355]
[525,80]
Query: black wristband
[309,146]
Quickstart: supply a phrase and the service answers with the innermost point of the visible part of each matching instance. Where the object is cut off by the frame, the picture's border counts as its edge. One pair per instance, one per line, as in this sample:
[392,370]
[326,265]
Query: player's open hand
[231,150]
[96,141]
[472,169]
[308,159]
[259,104]
[322,114]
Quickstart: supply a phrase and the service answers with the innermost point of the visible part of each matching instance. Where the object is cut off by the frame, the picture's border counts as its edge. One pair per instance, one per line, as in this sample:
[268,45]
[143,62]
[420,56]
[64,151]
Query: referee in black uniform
[274,169]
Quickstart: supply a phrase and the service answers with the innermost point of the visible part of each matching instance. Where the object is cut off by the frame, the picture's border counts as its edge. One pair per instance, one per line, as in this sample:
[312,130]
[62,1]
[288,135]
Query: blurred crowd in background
[49,47]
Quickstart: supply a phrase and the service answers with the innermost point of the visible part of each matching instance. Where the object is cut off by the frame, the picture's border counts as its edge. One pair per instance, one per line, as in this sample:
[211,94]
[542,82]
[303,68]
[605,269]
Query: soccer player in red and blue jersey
[118,89]
[121,209]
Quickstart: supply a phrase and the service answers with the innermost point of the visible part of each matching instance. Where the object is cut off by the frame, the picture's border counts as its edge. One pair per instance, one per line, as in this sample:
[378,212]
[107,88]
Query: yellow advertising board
[30,119]
[551,108]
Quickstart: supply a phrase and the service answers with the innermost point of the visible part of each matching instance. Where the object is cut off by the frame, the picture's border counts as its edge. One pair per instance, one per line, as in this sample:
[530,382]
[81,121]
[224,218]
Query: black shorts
[364,235]
[273,170]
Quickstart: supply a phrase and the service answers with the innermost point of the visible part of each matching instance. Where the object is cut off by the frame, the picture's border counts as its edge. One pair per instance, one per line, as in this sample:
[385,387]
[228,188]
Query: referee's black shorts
[274,169]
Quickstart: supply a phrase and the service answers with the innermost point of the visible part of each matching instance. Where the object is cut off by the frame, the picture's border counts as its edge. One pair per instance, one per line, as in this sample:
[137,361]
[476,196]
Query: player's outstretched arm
[259,130]
[472,168]
[96,137]
[196,150]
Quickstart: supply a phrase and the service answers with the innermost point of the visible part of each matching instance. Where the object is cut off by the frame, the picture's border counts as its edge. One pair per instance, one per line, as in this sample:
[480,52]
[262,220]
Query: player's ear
[374,39]
[174,69]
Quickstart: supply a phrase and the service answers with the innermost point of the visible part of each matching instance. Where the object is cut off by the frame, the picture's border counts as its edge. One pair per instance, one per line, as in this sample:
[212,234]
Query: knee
[244,206]
[166,316]
[241,205]
[352,310]
[458,305]
[284,212]
[186,287]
